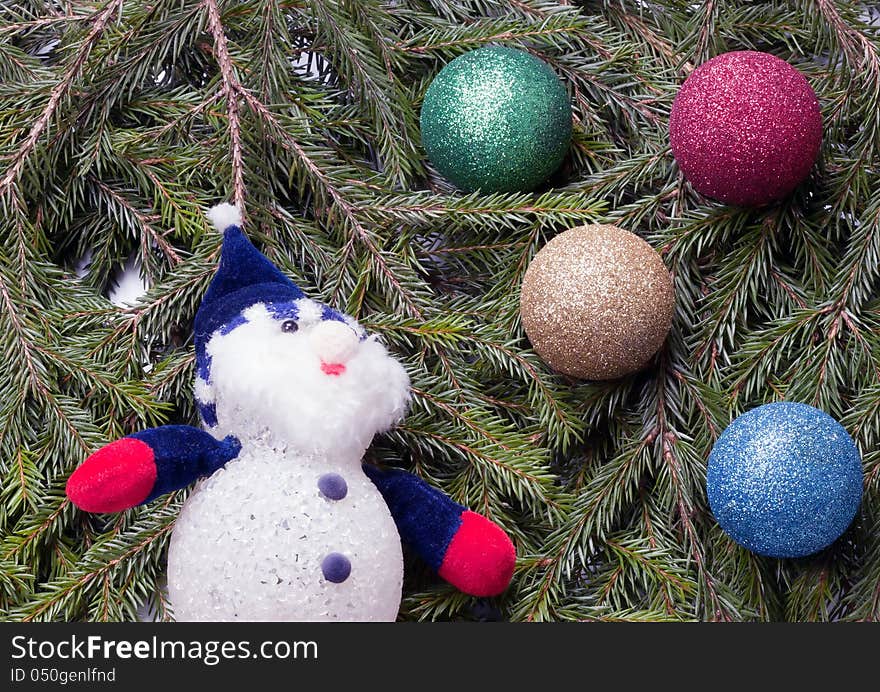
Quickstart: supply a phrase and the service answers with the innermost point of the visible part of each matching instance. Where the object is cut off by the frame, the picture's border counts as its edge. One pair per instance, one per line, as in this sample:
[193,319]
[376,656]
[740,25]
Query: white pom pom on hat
[224,215]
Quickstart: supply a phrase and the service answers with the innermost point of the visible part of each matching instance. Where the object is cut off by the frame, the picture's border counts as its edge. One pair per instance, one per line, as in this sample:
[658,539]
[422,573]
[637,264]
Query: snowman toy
[287,523]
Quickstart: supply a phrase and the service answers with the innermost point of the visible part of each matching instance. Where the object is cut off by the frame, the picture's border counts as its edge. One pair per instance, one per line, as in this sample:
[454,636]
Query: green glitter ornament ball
[496,120]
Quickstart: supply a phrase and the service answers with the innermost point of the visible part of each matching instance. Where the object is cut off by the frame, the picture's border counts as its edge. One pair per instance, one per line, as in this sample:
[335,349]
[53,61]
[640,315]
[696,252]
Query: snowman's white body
[250,540]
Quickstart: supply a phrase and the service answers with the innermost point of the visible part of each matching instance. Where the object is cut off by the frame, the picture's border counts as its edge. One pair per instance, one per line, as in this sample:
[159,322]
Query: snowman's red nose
[332,368]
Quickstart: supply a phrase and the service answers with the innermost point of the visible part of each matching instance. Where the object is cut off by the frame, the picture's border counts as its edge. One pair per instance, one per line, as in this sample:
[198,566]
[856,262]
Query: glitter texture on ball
[496,119]
[745,128]
[597,302]
[784,480]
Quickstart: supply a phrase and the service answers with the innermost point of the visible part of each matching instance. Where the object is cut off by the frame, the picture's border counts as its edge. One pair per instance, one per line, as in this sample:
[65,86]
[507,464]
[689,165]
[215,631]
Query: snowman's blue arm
[183,454]
[466,549]
[140,467]
[426,518]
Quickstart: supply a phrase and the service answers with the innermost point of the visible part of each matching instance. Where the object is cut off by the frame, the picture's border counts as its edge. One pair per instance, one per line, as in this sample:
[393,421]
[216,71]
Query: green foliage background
[121,121]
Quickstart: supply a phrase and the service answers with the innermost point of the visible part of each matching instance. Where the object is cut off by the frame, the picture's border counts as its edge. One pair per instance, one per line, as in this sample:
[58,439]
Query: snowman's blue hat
[245,277]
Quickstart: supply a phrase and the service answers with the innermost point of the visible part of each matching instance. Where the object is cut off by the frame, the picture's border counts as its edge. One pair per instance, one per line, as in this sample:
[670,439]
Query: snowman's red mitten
[145,465]
[465,548]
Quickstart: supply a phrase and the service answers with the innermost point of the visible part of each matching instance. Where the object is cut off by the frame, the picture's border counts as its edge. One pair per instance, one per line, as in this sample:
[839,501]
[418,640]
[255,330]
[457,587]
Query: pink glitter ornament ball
[745,128]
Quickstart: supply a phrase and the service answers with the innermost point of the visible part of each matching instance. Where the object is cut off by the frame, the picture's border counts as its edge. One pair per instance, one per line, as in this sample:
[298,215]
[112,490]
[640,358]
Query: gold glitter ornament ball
[597,302]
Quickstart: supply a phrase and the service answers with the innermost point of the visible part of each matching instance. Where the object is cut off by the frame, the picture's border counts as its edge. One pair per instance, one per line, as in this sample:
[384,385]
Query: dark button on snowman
[287,524]
[332,486]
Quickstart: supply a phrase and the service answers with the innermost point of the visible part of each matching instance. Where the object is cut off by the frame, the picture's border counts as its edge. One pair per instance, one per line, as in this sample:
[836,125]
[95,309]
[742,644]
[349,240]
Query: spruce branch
[103,561]
[59,92]
[663,47]
[230,89]
[705,31]
[449,41]
[150,236]
[858,50]
[328,187]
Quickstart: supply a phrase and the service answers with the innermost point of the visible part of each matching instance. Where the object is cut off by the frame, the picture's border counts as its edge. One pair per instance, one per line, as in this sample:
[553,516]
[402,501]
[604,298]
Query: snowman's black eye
[289,326]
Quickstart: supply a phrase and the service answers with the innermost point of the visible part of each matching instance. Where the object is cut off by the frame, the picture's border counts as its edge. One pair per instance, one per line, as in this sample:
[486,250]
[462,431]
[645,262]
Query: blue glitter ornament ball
[496,119]
[784,480]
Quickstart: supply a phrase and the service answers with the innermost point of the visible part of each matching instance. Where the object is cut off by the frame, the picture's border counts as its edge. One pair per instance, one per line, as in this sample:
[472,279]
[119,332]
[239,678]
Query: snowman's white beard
[278,395]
